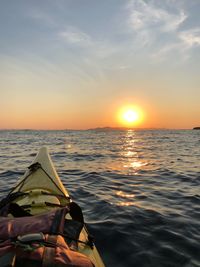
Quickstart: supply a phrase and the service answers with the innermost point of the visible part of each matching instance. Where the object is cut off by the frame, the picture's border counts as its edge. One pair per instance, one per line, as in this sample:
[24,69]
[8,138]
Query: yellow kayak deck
[44,191]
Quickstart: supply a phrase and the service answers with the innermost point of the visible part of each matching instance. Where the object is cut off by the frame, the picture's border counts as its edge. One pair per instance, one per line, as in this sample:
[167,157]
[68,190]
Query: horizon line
[95,128]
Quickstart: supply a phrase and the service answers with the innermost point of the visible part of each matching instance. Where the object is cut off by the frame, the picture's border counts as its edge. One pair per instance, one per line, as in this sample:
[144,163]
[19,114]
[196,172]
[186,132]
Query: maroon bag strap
[49,252]
[59,221]
[48,257]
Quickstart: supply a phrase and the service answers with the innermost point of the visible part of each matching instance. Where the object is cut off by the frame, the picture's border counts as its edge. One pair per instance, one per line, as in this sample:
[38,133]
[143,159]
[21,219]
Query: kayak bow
[40,190]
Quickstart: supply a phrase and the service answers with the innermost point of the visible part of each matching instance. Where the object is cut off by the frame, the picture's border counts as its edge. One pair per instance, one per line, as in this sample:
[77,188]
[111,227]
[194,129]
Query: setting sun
[130,116]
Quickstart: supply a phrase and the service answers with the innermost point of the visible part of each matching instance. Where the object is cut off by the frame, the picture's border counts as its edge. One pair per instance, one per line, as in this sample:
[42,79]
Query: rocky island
[196,128]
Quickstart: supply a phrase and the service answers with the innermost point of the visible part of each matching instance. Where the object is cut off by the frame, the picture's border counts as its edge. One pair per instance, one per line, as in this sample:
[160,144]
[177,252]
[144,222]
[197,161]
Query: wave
[141,215]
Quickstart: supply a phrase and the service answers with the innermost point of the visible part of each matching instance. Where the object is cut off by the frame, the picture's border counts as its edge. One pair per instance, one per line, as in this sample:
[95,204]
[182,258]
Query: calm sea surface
[139,190]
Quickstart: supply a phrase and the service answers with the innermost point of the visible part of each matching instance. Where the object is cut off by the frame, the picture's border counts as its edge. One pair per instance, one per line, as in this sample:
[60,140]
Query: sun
[130,116]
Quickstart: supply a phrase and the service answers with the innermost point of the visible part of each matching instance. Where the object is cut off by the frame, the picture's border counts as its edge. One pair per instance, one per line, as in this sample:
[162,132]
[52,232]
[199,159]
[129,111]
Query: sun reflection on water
[125,204]
[132,163]
[130,153]
[122,194]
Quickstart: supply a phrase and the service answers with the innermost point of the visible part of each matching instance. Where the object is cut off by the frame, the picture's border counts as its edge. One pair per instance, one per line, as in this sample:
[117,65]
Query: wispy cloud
[95,48]
[161,28]
[146,15]
[90,46]
[75,36]
[191,38]
[185,42]
[163,52]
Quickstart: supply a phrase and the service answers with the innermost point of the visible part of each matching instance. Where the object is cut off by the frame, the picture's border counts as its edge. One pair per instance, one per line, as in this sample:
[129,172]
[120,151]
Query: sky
[73,64]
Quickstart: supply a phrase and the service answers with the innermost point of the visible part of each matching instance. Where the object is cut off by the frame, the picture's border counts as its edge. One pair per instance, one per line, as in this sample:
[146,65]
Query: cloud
[150,24]
[164,52]
[191,38]
[186,41]
[160,27]
[74,36]
[94,48]
[148,16]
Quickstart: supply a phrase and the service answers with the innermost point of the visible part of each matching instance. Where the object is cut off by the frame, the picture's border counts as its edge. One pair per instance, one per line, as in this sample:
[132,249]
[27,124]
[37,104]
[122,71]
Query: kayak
[40,190]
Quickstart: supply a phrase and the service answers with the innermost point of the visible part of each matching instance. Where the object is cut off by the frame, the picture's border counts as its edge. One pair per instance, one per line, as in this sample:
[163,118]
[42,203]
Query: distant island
[106,128]
[196,128]
[118,129]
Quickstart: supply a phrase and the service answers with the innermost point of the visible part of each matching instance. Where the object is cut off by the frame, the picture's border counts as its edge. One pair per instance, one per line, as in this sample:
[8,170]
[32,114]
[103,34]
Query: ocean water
[139,190]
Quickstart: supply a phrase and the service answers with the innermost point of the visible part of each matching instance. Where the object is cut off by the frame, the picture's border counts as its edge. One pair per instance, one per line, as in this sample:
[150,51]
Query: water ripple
[139,190]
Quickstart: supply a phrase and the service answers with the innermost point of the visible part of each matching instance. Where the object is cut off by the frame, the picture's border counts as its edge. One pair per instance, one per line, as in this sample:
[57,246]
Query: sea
[139,189]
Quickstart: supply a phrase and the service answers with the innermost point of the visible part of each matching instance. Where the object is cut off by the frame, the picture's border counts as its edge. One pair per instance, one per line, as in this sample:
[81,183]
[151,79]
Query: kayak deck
[41,190]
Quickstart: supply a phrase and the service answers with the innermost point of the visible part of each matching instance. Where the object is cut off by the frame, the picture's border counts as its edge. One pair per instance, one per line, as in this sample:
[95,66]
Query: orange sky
[62,68]
[84,117]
